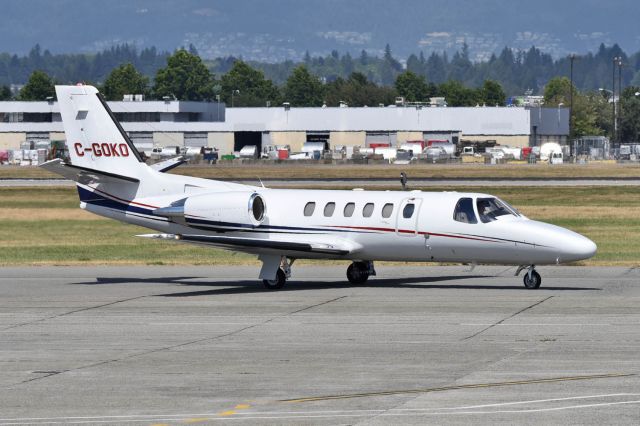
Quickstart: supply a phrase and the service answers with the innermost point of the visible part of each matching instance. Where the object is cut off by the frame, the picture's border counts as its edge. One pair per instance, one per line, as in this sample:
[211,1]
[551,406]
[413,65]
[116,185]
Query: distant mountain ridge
[277,30]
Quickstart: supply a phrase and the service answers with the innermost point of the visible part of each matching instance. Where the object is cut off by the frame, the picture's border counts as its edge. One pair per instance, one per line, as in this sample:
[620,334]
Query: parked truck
[249,152]
[479,147]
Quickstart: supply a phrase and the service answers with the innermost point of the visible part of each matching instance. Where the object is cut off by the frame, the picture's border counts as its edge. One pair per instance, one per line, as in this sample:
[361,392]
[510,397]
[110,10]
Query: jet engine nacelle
[246,208]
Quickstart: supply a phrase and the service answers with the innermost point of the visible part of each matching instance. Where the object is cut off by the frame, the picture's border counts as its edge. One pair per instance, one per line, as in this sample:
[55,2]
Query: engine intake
[257,207]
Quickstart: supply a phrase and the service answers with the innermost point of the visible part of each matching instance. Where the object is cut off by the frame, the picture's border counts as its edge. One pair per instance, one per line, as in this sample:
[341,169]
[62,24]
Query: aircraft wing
[258,245]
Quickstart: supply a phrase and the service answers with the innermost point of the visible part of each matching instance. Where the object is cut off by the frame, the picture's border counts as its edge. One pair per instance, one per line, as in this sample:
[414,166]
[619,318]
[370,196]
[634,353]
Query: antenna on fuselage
[403,180]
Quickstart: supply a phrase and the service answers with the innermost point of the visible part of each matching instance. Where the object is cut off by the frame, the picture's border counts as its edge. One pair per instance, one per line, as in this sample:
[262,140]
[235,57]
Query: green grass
[99,242]
[604,196]
[605,214]
[38,197]
[290,170]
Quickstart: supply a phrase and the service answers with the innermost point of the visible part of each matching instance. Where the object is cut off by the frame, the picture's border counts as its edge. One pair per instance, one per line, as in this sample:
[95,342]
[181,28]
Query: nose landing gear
[531,279]
[359,272]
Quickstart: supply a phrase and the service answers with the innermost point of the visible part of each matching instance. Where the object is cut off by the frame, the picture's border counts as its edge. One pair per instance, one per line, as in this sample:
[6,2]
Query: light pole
[571,58]
[613,98]
[613,101]
[619,93]
[617,60]
[233,93]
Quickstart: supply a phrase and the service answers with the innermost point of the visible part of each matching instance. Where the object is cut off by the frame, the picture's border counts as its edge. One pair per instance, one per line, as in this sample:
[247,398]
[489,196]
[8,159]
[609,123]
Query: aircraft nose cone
[561,245]
[578,248]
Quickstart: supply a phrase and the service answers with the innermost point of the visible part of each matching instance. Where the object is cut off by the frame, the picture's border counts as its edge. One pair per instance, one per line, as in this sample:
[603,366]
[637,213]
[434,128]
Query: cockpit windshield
[489,209]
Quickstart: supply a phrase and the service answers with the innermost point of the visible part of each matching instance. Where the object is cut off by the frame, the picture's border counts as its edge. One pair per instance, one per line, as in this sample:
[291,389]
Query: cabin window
[329,208]
[464,211]
[349,209]
[408,210]
[309,208]
[489,209]
[367,211]
[387,210]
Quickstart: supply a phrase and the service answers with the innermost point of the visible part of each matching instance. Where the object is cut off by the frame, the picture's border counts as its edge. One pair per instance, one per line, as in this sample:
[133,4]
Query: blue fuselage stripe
[96,199]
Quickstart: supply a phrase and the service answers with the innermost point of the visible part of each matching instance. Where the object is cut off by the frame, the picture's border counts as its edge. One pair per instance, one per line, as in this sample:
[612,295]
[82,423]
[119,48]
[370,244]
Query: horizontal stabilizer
[83,175]
[166,165]
[253,244]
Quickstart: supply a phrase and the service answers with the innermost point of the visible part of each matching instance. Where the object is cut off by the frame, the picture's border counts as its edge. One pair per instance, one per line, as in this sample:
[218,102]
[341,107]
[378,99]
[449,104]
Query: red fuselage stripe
[405,231]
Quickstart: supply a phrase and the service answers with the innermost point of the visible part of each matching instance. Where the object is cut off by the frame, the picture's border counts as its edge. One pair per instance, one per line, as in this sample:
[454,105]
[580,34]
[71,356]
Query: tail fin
[95,139]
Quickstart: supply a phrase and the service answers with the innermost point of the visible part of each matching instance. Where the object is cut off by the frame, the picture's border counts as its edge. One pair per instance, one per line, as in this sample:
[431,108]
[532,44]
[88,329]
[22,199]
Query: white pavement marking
[541,323]
[533,401]
[235,417]
[401,412]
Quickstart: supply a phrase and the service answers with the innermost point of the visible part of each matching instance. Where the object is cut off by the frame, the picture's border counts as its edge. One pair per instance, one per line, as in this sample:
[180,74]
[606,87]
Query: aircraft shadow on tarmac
[254,286]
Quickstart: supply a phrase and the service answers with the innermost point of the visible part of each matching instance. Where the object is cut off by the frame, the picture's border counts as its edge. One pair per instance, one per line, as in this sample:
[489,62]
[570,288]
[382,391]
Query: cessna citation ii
[282,225]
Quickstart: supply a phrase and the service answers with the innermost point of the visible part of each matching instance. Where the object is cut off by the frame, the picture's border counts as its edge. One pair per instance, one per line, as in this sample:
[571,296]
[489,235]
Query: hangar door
[381,139]
[242,139]
[322,137]
[195,139]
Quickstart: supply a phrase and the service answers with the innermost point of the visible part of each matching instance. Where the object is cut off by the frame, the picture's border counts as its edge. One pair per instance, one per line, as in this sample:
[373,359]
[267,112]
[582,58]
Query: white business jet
[282,225]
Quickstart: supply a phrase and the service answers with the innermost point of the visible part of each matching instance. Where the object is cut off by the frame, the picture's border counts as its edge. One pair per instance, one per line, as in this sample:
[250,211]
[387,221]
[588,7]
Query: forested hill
[278,30]
[516,71]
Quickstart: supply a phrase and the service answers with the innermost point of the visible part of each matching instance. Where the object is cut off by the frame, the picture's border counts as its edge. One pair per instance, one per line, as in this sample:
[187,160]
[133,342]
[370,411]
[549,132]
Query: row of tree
[515,70]
[72,68]
[593,112]
[186,77]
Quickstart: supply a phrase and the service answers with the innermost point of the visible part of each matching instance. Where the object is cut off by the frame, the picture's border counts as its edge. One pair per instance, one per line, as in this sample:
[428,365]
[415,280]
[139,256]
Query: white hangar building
[167,123]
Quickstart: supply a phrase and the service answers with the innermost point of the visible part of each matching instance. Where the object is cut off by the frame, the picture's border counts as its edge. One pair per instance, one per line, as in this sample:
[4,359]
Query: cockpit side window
[490,209]
[464,211]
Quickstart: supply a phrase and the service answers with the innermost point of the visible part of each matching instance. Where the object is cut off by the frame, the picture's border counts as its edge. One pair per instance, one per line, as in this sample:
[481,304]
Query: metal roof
[470,121]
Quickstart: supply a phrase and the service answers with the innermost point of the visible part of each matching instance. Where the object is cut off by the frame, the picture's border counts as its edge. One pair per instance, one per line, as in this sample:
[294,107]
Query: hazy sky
[281,29]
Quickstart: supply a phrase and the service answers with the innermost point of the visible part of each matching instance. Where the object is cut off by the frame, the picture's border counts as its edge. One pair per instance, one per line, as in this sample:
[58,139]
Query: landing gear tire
[532,280]
[277,283]
[358,273]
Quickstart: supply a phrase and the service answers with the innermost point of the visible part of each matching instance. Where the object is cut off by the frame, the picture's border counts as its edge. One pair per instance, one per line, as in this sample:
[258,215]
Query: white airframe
[281,225]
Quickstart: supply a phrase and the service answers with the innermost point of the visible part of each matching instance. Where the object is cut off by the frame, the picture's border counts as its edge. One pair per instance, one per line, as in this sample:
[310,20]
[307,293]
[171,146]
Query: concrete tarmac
[415,345]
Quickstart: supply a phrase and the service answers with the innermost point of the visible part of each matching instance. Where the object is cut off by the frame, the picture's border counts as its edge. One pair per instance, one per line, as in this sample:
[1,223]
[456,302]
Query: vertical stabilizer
[95,139]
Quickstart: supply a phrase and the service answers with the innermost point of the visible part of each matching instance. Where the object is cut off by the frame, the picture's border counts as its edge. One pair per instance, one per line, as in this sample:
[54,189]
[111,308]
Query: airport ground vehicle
[556,157]
[547,149]
[447,147]
[249,152]
[282,225]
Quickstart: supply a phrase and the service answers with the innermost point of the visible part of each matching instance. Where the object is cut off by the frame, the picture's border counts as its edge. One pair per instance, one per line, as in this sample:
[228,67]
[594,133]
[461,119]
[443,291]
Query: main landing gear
[282,274]
[276,270]
[531,279]
[277,283]
[359,272]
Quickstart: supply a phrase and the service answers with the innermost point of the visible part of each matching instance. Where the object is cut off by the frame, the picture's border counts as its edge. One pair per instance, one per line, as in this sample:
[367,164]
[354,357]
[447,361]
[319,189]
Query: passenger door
[407,217]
